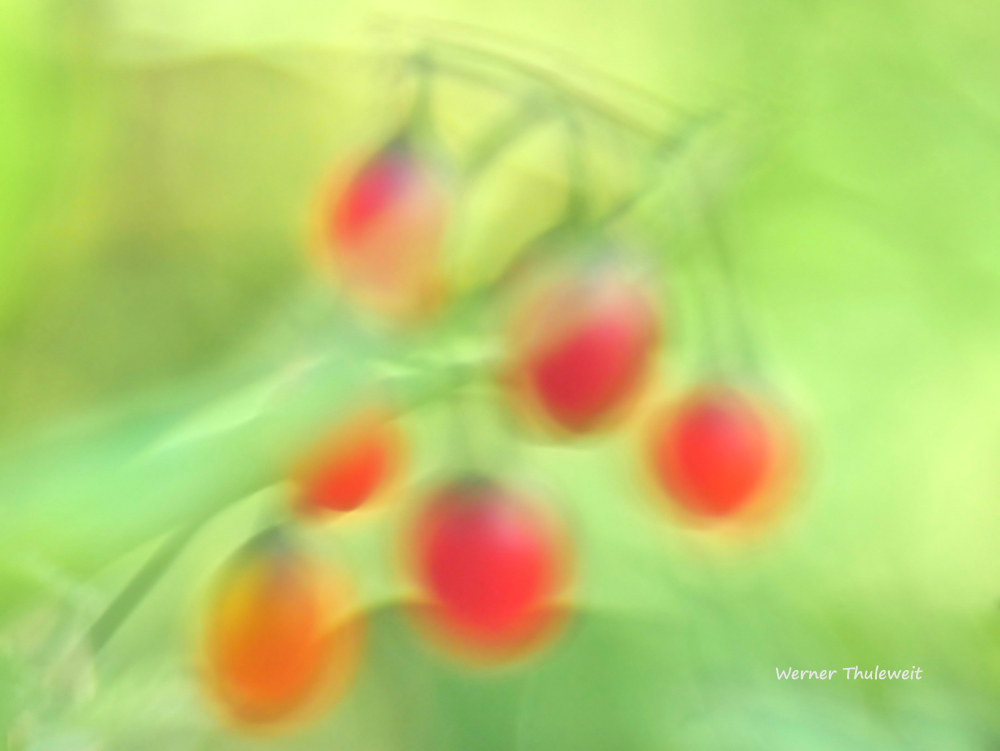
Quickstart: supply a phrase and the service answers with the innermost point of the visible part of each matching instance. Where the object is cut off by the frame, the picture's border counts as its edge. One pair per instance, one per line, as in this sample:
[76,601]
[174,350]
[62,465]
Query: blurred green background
[158,160]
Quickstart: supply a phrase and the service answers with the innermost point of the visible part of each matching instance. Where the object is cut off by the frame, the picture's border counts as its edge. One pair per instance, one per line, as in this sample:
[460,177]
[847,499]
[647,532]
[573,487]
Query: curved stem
[550,80]
[665,150]
[502,136]
[444,32]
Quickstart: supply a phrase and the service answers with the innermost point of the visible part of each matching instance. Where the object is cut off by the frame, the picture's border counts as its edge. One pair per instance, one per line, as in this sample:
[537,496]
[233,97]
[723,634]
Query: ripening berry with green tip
[279,640]
[382,229]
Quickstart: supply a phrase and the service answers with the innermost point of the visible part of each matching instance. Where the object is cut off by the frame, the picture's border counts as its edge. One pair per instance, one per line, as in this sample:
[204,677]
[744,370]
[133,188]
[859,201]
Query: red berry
[276,640]
[350,467]
[384,231]
[584,348]
[490,563]
[716,452]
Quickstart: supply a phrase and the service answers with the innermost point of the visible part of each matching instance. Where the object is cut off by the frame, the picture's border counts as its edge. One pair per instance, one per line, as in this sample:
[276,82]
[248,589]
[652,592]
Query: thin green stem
[577,201]
[746,345]
[502,136]
[443,32]
[118,611]
[421,117]
[667,149]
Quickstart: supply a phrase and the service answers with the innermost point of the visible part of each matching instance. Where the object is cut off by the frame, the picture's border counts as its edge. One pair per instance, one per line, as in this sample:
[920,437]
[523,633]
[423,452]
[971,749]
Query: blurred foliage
[165,349]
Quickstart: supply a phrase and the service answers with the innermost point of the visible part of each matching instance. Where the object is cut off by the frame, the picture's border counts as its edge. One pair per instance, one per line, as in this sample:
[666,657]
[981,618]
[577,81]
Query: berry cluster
[580,344]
